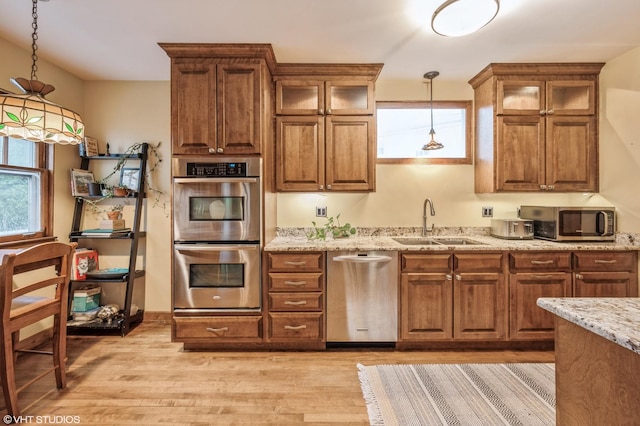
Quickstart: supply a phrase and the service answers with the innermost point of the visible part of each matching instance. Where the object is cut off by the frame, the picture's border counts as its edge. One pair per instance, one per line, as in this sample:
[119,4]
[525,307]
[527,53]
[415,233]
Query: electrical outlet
[487,212]
[321,212]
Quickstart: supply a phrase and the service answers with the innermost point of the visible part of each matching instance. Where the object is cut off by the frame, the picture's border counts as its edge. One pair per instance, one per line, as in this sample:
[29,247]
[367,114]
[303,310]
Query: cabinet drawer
[292,262]
[295,301]
[478,262]
[605,261]
[295,282]
[540,261]
[295,326]
[415,262]
[217,327]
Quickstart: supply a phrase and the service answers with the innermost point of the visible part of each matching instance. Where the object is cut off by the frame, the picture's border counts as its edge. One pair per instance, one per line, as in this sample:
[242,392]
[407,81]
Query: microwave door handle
[214,248]
[605,222]
[213,180]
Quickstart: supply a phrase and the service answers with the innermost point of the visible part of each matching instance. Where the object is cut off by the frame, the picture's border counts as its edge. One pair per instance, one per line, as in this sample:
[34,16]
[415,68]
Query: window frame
[43,162]
[466,105]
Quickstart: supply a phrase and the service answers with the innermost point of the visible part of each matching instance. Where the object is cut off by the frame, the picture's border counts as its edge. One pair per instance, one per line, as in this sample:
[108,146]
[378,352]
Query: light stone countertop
[615,319]
[370,239]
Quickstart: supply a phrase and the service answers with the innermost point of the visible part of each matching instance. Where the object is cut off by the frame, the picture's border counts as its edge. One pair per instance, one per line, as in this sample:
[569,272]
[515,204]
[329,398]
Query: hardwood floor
[144,379]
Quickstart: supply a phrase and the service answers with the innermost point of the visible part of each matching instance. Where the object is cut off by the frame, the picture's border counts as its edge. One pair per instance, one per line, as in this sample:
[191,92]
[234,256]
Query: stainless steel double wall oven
[216,233]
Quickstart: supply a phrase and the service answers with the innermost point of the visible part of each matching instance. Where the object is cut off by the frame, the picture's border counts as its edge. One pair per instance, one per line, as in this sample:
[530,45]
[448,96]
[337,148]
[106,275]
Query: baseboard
[158,316]
[35,340]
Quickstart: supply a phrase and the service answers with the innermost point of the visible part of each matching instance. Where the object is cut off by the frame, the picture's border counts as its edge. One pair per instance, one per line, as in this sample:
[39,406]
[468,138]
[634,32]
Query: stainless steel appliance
[216,276]
[571,223]
[216,233]
[362,296]
[512,229]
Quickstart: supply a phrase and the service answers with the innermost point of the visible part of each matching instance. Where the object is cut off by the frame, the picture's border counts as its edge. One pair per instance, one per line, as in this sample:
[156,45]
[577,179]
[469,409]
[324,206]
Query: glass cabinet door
[520,98]
[299,97]
[571,97]
[349,98]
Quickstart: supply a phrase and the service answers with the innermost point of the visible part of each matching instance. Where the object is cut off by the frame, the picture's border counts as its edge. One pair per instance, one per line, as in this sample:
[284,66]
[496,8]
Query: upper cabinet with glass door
[540,97]
[316,97]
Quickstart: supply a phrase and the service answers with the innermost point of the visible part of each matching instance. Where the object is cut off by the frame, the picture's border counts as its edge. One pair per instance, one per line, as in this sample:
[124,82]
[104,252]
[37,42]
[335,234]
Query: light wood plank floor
[144,379]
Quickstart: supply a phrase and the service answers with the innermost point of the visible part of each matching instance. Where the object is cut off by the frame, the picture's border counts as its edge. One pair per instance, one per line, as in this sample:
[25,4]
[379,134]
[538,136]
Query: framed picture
[90,147]
[80,180]
[130,177]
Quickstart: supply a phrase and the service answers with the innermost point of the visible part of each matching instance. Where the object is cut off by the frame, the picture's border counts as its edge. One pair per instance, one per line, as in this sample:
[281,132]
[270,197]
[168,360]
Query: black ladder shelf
[125,319]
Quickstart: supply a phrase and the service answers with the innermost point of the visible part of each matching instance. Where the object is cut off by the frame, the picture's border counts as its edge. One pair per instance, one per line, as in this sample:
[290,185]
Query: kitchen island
[597,347]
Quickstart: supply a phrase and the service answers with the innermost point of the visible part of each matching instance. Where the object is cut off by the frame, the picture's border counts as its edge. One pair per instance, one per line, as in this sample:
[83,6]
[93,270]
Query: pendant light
[432,144]
[29,115]
[455,18]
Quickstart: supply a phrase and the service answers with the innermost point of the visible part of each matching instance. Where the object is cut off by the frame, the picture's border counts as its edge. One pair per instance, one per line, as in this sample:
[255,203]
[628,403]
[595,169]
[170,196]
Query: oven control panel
[216,169]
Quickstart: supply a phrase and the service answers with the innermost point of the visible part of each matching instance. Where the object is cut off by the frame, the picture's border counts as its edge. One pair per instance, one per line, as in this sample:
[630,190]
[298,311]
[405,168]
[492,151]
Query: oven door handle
[217,180]
[212,247]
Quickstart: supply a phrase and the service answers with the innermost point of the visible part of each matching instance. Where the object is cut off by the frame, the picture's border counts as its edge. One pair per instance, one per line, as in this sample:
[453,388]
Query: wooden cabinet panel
[296,262]
[230,328]
[478,262]
[296,301]
[300,156]
[605,284]
[605,261]
[527,321]
[520,152]
[539,261]
[480,304]
[416,262]
[296,326]
[309,281]
[350,153]
[426,306]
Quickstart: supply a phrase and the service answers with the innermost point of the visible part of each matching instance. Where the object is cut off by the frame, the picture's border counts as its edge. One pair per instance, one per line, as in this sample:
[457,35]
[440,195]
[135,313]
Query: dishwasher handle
[354,258]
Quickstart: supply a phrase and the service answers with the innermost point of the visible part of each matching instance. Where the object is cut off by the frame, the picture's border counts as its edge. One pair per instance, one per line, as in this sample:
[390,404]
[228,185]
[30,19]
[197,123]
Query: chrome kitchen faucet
[432,211]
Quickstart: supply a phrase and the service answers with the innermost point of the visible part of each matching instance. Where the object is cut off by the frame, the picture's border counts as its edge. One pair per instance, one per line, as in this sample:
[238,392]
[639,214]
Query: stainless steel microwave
[571,223]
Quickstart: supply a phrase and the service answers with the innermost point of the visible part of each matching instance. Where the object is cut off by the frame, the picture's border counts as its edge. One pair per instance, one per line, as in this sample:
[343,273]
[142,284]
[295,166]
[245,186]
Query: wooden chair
[20,308]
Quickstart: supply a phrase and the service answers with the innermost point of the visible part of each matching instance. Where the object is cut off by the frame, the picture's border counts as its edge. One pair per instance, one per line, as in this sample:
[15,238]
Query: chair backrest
[40,257]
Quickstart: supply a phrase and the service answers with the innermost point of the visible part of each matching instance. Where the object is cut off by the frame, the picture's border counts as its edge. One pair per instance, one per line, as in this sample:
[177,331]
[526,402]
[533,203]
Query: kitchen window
[403,128]
[25,212]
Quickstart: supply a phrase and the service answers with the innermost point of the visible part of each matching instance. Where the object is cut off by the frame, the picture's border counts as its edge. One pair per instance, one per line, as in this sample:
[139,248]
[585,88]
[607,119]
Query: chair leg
[7,366]
[60,351]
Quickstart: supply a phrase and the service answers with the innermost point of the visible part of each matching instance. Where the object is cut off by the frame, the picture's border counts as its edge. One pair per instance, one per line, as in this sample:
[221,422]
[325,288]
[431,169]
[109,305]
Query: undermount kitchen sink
[409,241]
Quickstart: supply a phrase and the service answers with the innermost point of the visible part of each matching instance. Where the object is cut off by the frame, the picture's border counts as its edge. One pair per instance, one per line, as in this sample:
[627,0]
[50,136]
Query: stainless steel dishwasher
[362,296]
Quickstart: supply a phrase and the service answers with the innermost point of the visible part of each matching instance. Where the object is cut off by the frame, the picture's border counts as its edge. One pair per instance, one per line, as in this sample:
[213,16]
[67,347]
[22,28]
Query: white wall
[122,113]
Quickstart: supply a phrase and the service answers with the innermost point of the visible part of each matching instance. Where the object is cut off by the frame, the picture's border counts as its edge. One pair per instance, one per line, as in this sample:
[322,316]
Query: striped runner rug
[459,394]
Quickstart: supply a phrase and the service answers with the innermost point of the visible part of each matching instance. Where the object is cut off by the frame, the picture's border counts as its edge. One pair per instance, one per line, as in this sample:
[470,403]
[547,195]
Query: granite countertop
[615,319]
[370,239]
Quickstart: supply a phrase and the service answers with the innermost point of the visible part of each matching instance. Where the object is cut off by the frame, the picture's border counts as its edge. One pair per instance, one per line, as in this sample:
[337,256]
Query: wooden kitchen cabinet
[536,127]
[533,275]
[325,127]
[295,299]
[605,274]
[453,296]
[220,98]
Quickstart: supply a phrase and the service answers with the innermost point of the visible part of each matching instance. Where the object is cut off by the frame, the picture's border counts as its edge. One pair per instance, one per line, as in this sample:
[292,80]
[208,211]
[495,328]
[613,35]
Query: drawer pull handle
[218,331]
[295,303]
[543,277]
[292,263]
[295,283]
[295,327]
[604,261]
[542,262]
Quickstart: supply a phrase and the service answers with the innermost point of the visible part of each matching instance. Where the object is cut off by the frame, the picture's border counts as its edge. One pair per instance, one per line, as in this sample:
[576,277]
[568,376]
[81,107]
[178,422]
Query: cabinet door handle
[543,187]
[542,112]
[550,112]
[579,276]
[294,263]
[220,150]
[295,303]
[218,331]
[328,186]
[320,111]
[449,277]
[609,262]
[295,327]
[458,277]
[542,262]
[212,150]
[551,187]
[295,283]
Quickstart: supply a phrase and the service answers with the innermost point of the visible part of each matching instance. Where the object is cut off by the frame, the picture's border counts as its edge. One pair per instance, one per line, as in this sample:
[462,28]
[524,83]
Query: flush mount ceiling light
[455,18]
[432,144]
[29,115]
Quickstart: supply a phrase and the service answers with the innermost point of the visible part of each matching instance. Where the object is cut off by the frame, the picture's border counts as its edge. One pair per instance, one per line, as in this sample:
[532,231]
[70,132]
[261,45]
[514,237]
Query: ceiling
[118,39]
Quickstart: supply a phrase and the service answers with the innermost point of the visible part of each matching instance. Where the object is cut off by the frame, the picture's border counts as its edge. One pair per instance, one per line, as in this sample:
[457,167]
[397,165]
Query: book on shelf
[112,224]
[102,232]
[84,261]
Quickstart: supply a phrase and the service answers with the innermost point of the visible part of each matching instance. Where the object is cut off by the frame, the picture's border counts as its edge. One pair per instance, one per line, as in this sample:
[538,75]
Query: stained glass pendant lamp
[29,115]
[432,144]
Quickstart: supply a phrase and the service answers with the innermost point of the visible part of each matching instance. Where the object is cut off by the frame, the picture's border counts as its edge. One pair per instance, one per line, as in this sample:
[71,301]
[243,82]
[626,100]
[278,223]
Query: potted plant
[333,228]
[114,211]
